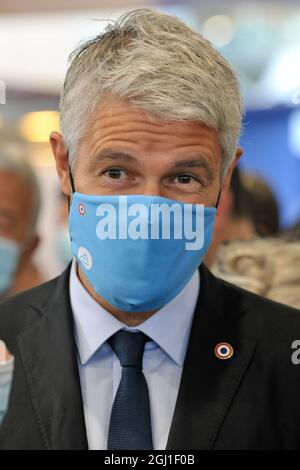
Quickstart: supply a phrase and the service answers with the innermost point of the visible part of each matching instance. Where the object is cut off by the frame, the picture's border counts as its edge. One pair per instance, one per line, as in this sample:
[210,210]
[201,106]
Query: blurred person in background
[254,208]
[239,224]
[247,210]
[269,267]
[137,345]
[19,211]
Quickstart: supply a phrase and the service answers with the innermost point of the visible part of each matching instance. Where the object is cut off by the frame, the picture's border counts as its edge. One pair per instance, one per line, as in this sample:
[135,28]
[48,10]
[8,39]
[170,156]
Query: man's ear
[227,179]
[60,153]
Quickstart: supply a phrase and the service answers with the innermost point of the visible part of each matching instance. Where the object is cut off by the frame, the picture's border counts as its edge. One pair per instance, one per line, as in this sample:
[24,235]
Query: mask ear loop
[218,200]
[71,181]
[70,175]
[72,188]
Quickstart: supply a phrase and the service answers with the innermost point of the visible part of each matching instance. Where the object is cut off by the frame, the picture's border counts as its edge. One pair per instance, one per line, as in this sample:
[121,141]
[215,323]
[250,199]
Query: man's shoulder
[263,315]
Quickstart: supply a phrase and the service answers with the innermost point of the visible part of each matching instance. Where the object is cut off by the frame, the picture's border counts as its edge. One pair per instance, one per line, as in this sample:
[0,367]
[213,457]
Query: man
[133,346]
[19,210]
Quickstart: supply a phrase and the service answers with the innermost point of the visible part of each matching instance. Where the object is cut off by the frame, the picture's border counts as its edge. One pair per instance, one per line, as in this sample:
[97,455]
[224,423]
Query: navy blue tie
[130,420]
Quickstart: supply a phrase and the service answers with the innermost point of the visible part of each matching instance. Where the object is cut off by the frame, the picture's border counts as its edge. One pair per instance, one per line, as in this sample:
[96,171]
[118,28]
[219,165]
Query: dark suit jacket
[250,401]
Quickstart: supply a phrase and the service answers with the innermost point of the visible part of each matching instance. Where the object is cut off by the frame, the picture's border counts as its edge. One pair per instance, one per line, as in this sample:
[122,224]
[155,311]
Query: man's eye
[114,173]
[187,179]
[184,179]
[186,182]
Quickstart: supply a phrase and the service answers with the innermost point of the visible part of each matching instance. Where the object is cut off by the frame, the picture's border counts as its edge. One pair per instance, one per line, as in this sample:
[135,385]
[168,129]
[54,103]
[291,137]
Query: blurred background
[260,38]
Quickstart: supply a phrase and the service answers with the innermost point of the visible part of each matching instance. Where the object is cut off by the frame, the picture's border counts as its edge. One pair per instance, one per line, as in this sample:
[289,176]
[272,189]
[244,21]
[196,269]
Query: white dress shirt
[100,370]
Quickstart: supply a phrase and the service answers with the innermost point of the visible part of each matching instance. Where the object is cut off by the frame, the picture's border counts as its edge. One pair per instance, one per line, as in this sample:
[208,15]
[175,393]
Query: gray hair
[12,162]
[160,65]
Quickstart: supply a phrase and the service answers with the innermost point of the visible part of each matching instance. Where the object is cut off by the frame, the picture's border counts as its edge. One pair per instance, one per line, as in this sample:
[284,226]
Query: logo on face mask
[85,257]
[81,209]
[157,221]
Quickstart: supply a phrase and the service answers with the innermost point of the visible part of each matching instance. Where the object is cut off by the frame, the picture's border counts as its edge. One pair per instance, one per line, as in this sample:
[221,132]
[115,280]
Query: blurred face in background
[17,240]
[15,207]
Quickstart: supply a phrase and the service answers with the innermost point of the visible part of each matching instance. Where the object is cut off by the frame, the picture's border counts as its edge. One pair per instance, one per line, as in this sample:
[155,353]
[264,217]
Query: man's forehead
[131,126]
[122,113]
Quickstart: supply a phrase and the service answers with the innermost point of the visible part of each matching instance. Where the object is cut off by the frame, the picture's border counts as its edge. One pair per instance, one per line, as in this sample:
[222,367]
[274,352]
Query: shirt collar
[169,327]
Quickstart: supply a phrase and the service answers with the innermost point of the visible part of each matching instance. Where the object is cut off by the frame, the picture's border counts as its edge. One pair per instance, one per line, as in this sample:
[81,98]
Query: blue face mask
[134,257]
[9,259]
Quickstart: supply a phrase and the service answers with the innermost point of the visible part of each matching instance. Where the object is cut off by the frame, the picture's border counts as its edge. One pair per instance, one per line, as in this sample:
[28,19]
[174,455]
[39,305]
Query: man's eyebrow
[108,154]
[192,162]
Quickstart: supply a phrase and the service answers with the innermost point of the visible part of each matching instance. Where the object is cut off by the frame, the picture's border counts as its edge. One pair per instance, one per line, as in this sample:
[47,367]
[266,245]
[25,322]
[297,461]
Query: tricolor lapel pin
[224,351]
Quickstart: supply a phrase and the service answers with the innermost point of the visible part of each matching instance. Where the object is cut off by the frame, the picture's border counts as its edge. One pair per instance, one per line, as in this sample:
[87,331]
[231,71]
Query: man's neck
[128,318]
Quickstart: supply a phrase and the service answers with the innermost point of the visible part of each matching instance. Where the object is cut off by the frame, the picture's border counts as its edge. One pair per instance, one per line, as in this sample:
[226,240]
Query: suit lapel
[209,384]
[48,354]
